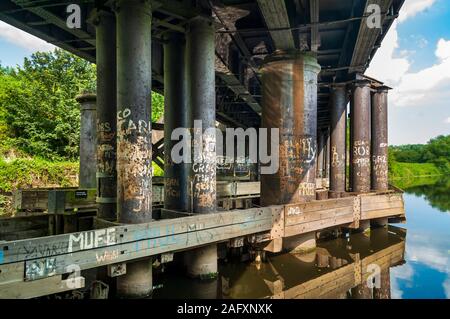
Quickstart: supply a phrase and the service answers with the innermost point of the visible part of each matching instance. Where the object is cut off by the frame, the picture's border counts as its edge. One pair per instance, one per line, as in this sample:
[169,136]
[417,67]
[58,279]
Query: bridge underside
[246,32]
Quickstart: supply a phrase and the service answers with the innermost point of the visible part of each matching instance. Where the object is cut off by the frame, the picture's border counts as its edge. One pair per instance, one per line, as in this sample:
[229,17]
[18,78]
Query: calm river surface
[413,260]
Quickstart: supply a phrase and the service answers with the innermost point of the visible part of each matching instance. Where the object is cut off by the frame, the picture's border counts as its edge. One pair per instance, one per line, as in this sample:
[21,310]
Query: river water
[410,260]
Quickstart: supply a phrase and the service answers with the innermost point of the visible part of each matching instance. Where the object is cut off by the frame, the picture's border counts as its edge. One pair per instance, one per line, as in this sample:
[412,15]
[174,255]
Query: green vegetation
[435,192]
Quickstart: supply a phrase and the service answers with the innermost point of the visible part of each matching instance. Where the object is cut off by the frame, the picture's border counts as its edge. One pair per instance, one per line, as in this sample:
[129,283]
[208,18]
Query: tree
[37,103]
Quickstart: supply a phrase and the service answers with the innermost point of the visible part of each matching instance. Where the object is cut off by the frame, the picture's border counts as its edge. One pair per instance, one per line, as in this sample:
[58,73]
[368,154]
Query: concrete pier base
[137,282]
[361,292]
[300,244]
[202,262]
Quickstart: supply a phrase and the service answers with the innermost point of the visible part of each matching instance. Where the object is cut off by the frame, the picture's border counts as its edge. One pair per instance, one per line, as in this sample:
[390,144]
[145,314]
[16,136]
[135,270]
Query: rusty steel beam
[289,98]
[176,115]
[380,139]
[134,145]
[105,23]
[87,140]
[360,144]
[338,137]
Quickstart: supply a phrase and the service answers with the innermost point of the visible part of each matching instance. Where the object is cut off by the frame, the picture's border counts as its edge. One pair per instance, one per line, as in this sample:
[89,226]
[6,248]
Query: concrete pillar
[105,23]
[289,103]
[338,138]
[87,140]
[202,262]
[134,147]
[320,157]
[360,144]
[300,244]
[380,140]
[176,115]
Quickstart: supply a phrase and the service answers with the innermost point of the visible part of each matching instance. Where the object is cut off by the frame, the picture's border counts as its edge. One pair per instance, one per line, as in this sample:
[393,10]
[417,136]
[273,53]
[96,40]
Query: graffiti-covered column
[338,138]
[134,147]
[87,140]
[105,23]
[380,139]
[289,104]
[176,115]
[360,144]
[202,262]
[87,152]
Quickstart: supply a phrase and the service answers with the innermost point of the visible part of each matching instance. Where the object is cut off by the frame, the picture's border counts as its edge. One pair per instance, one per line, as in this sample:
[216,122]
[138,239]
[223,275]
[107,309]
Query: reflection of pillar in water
[134,145]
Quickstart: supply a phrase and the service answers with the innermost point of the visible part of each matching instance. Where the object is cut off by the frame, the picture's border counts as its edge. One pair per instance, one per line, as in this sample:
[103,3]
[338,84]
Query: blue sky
[414,59]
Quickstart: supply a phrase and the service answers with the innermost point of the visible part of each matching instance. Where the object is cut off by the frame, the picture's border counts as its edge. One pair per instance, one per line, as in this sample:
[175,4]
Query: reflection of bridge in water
[338,269]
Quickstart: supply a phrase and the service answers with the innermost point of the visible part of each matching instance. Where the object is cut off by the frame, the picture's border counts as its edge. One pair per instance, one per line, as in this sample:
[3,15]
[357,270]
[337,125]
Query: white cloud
[23,39]
[410,88]
[447,120]
[443,49]
[413,7]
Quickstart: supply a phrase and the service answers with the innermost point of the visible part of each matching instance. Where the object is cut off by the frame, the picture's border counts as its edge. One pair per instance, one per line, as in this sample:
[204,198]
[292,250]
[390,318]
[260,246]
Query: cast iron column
[338,138]
[361,137]
[176,115]
[105,23]
[380,140]
[87,140]
[134,147]
[202,262]
[289,103]
[320,156]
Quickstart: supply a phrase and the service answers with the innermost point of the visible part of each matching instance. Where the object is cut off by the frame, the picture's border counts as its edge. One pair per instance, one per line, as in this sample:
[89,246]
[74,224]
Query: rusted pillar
[87,140]
[320,157]
[176,115]
[361,291]
[380,140]
[289,103]
[134,147]
[338,138]
[105,23]
[361,137]
[202,262]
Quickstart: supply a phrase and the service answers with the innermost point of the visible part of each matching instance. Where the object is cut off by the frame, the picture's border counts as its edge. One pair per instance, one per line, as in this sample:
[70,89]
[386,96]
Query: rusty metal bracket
[356,212]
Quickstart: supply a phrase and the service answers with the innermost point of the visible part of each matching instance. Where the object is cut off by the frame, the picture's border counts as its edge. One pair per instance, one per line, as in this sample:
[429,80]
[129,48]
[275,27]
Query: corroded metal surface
[106,114]
[337,139]
[290,104]
[201,57]
[360,144]
[87,140]
[380,140]
[134,147]
[176,115]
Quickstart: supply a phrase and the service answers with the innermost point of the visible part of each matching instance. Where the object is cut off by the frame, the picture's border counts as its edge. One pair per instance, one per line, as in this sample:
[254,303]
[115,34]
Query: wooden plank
[382,213]
[314,216]
[43,287]
[316,225]
[59,264]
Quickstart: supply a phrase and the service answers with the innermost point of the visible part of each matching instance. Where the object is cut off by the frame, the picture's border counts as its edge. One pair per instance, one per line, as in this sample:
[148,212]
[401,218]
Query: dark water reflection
[339,268]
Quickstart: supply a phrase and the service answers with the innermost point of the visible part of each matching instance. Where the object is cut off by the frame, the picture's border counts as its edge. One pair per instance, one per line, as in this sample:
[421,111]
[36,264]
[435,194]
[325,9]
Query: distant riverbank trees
[428,159]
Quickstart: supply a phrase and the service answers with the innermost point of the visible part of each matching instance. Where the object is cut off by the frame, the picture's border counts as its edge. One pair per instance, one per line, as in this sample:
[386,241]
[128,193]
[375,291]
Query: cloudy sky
[414,59]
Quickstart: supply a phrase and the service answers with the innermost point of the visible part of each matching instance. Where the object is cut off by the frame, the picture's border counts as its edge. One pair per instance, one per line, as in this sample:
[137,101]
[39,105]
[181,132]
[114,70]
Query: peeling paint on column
[290,104]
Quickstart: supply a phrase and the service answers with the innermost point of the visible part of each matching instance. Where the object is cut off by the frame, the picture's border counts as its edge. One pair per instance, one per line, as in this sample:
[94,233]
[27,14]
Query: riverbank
[399,170]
